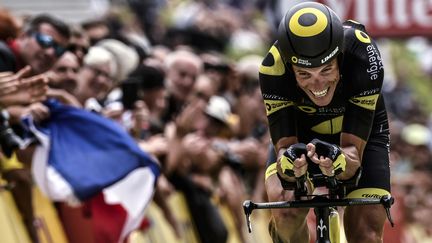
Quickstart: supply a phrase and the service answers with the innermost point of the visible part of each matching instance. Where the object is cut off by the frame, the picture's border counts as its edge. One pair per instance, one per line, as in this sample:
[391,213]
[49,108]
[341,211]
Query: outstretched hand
[20,88]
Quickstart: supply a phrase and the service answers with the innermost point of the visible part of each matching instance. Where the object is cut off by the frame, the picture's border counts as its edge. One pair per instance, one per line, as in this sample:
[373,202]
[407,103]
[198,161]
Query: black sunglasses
[74,48]
[47,41]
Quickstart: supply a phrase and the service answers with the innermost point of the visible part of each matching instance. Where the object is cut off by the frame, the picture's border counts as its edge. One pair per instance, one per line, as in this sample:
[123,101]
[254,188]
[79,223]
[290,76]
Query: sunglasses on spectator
[74,48]
[47,41]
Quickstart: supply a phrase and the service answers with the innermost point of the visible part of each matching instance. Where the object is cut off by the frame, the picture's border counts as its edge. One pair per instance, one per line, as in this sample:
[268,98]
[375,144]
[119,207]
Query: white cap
[126,57]
[219,108]
[416,134]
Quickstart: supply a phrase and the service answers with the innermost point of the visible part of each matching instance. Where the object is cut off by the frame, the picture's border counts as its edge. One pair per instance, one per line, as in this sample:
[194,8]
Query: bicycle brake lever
[248,206]
[387,201]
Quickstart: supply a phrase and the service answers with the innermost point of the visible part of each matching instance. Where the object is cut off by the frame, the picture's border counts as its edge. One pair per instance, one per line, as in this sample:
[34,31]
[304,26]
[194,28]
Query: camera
[9,141]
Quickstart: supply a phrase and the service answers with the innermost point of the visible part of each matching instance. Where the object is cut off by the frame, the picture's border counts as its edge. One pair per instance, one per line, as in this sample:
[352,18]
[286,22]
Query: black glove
[332,152]
[287,159]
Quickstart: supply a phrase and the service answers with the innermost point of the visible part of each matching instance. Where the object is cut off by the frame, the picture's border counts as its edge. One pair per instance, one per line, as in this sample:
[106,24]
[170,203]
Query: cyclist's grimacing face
[318,83]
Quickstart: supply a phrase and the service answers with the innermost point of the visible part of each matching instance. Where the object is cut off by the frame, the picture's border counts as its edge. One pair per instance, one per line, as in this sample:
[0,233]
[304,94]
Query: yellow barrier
[160,230]
[12,229]
[49,226]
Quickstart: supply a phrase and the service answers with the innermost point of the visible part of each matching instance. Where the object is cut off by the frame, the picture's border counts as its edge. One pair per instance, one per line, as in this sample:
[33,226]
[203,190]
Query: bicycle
[324,205]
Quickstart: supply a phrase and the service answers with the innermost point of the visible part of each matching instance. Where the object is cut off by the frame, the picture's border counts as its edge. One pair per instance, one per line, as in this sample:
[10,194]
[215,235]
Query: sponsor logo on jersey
[375,62]
[307,109]
[275,105]
[367,102]
[332,126]
[273,97]
[331,110]
[370,92]
[370,195]
[362,36]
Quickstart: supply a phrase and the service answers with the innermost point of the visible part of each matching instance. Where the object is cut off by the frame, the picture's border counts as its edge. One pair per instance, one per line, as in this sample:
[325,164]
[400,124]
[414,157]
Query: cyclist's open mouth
[320,93]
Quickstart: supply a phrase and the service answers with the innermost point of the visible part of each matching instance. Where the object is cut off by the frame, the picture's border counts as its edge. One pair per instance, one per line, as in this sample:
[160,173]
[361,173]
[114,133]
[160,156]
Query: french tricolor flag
[84,157]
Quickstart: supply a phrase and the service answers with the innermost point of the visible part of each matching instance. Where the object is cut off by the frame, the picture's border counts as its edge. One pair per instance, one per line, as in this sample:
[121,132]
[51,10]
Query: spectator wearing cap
[194,162]
[219,113]
[417,138]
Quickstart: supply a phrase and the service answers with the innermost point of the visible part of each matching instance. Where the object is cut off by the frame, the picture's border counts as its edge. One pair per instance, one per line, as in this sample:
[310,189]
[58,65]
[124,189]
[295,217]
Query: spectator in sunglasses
[79,43]
[44,40]
[23,62]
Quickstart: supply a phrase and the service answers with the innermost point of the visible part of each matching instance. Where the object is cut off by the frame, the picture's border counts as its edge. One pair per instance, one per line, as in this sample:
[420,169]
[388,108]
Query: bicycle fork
[327,225]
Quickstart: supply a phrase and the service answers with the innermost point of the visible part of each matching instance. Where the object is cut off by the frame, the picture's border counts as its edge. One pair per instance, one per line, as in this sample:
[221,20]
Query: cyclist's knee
[286,223]
[285,233]
[275,191]
[365,223]
[274,234]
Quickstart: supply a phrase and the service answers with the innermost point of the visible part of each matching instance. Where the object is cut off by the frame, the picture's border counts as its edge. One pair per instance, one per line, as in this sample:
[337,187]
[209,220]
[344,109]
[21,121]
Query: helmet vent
[307,19]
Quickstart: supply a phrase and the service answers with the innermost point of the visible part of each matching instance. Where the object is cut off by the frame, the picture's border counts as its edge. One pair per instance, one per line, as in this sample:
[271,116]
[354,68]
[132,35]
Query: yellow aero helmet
[310,35]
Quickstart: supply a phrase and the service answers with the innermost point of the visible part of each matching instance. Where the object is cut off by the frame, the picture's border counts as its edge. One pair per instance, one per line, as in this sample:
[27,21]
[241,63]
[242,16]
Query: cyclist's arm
[284,143]
[364,96]
[352,147]
[279,105]
[281,146]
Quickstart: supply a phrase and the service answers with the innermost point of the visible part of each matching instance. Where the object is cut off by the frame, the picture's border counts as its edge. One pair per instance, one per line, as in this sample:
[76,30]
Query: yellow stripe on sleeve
[271,170]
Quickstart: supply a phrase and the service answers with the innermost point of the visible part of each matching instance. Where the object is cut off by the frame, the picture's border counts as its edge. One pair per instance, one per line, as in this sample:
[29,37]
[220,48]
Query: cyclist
[322,80]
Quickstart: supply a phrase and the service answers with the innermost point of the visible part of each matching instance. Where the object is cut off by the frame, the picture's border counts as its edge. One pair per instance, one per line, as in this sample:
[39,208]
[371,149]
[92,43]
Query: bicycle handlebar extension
[316,202]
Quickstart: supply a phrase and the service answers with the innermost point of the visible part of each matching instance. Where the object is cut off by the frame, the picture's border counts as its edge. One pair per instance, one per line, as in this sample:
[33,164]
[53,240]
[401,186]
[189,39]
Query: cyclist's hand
[328,156]
[293,162]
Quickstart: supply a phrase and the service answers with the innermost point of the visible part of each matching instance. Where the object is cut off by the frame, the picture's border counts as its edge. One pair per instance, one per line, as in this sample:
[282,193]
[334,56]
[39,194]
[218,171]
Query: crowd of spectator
[182,79]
